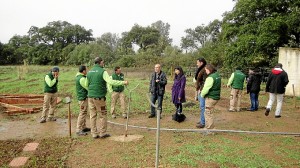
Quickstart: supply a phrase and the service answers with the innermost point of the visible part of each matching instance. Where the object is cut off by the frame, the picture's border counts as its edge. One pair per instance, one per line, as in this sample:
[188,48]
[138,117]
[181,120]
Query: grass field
[177,149]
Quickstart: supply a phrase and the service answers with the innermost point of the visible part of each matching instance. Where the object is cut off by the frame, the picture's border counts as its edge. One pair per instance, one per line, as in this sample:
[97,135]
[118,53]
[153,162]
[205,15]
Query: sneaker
[267,111]
[51,119]
[151,116]
[42,120]
[200,126]
[113,116]
[277,116]
[104,136]
[86,129]
[230,110]
[81,133]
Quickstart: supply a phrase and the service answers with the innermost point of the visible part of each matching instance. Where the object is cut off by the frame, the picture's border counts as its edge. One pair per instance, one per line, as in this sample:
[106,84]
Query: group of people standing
[93,85]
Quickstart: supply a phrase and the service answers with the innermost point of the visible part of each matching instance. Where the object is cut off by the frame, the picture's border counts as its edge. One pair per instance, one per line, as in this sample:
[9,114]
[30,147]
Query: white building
[290,59]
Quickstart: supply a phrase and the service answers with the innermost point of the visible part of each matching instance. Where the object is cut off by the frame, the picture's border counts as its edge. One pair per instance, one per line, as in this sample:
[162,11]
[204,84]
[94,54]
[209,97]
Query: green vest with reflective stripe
[81,91]
[238,80]
[119,78]
[215,91]
[48,89]
[96,83]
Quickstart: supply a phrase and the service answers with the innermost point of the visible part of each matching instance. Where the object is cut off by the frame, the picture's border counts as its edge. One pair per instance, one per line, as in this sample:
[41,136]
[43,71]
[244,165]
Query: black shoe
[250,110]
[86,130]
[81,133]
[267,111]
[104,136]
[200,126]
[96,137]
[277,116]
[42,120]
[51,119]
[151,116]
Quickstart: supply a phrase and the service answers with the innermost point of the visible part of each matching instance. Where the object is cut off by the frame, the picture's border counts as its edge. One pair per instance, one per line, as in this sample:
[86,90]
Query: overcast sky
[115,16]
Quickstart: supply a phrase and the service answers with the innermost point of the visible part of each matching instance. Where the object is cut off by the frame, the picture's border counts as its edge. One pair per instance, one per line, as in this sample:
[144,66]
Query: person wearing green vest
[118,92]
[97,80]
[236,82]
[211,92]
[50,95]
[81,91]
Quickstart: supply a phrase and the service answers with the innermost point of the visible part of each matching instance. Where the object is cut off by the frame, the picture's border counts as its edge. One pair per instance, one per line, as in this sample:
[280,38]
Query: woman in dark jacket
[253,87]
[178,89]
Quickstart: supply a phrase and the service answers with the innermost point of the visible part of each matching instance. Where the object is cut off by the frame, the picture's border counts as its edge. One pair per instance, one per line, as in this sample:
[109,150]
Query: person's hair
[82,68]
[201,67]
[279,65]
[180,74]
[55,69]
[117,67]
[211,68]
[98,60]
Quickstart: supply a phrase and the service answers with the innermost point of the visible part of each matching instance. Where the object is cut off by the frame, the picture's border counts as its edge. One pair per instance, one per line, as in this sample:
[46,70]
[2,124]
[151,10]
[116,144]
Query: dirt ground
[27,127]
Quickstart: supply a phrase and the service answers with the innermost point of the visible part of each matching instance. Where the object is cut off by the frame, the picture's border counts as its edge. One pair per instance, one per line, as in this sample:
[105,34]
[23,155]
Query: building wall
[290,59]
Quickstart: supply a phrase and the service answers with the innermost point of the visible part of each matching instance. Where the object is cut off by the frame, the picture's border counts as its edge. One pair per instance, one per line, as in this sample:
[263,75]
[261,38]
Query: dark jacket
[253,83]
[178,89]
[201,79]
[277,81]
[158,87]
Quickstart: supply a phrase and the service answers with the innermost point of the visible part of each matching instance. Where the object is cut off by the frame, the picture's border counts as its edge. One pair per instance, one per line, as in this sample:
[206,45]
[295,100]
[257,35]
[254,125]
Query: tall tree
[255,29]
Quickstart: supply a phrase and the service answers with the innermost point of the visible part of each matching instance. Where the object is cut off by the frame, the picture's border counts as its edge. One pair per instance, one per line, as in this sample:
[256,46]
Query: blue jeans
[202,109]
[254,101]
[159,99]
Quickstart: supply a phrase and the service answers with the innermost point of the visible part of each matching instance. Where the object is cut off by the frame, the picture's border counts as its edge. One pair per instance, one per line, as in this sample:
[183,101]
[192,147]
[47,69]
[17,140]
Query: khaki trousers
[49,105]
[209,108]
[81,121]
[235,99]
[96,106]
[114,98]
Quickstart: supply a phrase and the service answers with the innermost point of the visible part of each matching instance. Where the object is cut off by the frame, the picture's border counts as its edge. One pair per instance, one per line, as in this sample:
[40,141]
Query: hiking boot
[86,129]
[81,133]
[42,120]
[277,116]
[151,116]
[104,136]
[51,119]
[124,116]
[267,111]
[113,116]
[96,137]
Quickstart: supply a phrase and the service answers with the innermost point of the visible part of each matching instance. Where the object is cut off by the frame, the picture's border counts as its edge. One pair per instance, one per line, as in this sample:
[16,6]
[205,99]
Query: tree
[255,29]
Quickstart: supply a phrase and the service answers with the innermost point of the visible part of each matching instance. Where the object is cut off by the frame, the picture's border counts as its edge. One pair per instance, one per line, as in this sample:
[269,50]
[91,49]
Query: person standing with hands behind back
[157,88]
[50,96]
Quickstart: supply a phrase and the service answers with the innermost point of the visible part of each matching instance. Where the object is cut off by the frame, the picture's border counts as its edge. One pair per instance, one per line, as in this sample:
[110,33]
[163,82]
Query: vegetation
[248,35]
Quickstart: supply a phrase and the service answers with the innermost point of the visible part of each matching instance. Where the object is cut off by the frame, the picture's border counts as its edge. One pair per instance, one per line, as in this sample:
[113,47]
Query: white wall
[290,59]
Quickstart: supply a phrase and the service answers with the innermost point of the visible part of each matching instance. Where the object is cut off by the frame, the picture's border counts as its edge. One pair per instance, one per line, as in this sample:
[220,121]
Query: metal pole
[157,137]
[129,100]
[69,116]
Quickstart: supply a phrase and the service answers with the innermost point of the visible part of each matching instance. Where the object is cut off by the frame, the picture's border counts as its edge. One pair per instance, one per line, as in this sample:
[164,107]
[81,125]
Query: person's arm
[82,82]
[50,82]
[109,86]
[249,83]
[163,80]
[207,85]
[230,80]
[110,81]
[182,87]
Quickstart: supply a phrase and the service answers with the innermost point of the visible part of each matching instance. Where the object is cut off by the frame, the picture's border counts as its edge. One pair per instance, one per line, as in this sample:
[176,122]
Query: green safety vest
[81,91]
[215,91]
[119,78]
[96,83]
[52,89]
[238,80]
